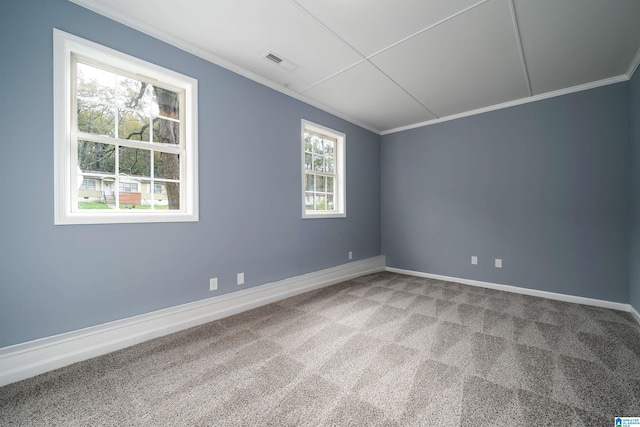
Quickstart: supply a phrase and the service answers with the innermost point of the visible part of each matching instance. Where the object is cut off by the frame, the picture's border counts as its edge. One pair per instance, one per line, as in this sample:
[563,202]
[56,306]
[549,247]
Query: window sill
[307,215]
[120,218]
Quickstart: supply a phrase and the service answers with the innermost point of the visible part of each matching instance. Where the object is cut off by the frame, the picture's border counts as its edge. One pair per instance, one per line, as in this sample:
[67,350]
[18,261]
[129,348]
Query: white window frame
[340,195]
[66,45]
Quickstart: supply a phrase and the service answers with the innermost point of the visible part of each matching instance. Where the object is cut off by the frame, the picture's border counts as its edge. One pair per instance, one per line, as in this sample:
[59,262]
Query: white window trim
[341,178]
[65,175]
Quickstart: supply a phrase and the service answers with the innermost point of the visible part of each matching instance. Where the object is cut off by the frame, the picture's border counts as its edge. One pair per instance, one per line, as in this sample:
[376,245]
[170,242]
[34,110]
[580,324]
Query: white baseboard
[508,288]
[21,361]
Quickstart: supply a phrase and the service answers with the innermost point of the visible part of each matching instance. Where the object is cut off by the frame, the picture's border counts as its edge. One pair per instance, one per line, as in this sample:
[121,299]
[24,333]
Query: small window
[88,184]
[129,187]
[124,123]
[323,172]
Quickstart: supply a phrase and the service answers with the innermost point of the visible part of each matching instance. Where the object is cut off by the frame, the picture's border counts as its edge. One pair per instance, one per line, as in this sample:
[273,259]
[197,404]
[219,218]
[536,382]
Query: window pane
[160,198]
[133,125]
[165,102]
[130,193]
[173,196]
[90,195]
[133,94]
[328,146]
[307,143]
[98,119]
[307,161]
[94,84]
[321,202]
[309,182]
[308,201]
[166,165]
[135,162]
[147,195]
[317,145]
[96,157]
[317,163]
[166,131]
[330,164]
[320,181]
[329,185]
[330,204]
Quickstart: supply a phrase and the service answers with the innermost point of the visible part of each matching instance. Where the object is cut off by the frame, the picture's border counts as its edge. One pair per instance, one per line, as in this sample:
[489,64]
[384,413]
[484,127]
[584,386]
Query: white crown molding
[21,361]
[521,101]
[634,65]
[518,290]
[156,33]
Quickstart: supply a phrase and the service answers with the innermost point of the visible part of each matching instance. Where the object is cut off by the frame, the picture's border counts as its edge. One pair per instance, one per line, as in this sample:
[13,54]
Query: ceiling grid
[390,65]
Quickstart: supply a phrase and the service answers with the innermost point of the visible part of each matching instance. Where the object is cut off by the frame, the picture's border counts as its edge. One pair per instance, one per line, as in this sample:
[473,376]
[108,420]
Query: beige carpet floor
[383,349]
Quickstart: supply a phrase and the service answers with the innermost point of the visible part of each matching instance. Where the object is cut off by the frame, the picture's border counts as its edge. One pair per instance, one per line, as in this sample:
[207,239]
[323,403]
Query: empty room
[320,212]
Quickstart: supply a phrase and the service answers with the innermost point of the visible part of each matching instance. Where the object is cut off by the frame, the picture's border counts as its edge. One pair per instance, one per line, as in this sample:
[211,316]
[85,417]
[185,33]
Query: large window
[323,172]
[124,122]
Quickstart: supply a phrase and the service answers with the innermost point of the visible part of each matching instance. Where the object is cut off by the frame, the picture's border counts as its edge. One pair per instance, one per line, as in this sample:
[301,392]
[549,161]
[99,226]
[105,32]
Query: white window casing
[333,198]
[69,50]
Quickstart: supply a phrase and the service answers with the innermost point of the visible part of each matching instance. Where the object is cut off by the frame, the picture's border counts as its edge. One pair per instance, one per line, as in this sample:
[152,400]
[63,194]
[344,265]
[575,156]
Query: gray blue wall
[545,186]
[55,279]
[548,187]
[634,259]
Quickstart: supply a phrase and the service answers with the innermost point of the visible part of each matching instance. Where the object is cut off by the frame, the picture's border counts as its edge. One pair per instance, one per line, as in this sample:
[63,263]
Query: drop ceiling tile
[571,42]
[372,25]
[366,94]
[469,62]
[243,31]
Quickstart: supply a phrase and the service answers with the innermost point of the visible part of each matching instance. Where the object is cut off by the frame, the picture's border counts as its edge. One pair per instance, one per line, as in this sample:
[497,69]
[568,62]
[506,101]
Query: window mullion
[152,183]
[73,142]
[114,104]
[143,145]
[116,184]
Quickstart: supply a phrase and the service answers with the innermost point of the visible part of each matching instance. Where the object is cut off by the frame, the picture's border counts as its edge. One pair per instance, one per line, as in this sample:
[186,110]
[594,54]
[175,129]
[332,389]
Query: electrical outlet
[474,260]
[350,255]
[498,263]
[213,284]
[240,278]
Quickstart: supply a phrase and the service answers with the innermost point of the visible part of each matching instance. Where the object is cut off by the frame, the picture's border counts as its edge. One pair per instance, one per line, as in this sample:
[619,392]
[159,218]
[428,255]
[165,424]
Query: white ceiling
[394,64]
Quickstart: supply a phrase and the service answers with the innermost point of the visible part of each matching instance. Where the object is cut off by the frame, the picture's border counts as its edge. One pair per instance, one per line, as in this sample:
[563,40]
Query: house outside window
[126,123]
[323,172]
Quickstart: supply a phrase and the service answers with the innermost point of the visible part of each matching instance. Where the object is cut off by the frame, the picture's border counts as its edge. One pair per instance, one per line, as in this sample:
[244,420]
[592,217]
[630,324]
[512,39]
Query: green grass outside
[92,205]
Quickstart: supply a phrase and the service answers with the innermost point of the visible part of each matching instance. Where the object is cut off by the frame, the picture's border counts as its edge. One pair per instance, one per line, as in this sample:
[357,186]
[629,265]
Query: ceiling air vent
[280,61]
[272,57]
